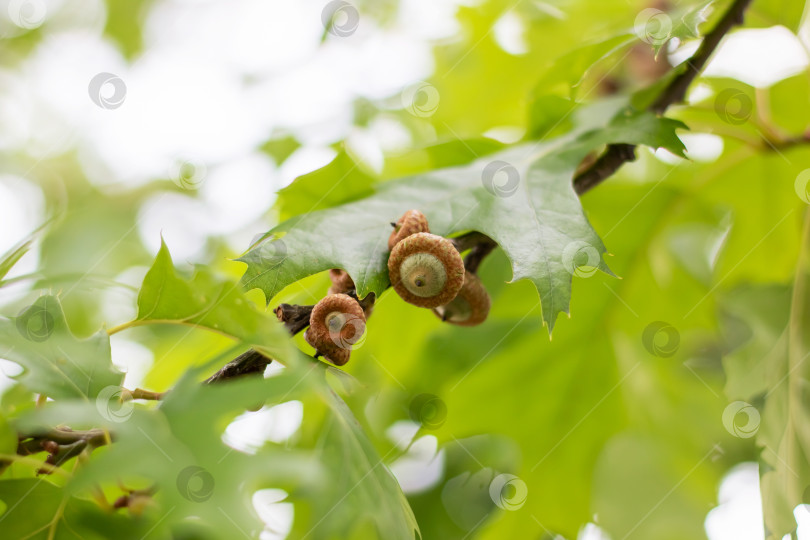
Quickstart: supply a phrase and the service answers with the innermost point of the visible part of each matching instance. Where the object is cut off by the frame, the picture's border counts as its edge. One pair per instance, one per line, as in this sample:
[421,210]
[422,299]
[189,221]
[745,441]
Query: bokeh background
[122,122]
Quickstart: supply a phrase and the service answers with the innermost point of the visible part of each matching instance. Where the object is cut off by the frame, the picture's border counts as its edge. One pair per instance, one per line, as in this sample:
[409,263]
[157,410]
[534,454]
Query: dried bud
[470,306]
[411,222]
[337,322]
[426,270]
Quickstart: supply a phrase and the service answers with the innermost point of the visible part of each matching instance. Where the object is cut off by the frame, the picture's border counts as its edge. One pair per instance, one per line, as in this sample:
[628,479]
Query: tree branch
[616,155]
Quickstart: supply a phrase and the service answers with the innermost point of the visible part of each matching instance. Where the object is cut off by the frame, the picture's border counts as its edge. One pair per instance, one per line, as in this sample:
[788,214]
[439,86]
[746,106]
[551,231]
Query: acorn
[341,281]
[411,222]
[426,270]
[470,307]
[336,324]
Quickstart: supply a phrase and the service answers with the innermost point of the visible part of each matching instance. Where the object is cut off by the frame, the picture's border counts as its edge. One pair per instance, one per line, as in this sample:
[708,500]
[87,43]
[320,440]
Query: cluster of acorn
[425,269]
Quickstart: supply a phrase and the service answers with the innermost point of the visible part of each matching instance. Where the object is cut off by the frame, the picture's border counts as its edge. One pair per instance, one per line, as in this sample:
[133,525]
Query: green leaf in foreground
[56,363]
[784,433]
[522,198]
[363,499]
[208,301]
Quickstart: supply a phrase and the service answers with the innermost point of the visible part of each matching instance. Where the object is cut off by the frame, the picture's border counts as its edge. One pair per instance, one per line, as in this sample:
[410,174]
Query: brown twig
[616,155]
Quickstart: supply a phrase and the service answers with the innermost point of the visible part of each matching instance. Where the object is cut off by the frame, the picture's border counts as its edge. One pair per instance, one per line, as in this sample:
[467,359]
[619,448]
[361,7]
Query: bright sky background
[209,103]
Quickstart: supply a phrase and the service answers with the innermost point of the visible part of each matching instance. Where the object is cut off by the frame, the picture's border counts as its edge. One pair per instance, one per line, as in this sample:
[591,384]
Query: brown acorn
[411,222]
[341,281]
[336,324]
[426,270]
[470,307]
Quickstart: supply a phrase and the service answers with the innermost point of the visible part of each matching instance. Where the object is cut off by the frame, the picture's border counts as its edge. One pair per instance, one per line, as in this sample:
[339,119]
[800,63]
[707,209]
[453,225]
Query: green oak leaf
[341,180]
[56,363]
[684,23]
[522,198]
[208,301]
[178,449]
[363,494]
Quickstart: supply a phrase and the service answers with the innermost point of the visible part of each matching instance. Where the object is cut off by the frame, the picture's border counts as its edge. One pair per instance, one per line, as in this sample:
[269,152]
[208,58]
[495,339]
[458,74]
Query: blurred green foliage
[621,420]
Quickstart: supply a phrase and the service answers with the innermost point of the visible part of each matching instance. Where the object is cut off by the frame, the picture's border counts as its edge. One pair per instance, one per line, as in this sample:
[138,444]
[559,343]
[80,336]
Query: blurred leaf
[766,13]
[569,70]
[56,363]
[549,116]
[10,258]
[208,301]
[535,216]
[177,449]
[342,180]
[687,20]
[281,148]
[439,156]
[363,496]
[784,433]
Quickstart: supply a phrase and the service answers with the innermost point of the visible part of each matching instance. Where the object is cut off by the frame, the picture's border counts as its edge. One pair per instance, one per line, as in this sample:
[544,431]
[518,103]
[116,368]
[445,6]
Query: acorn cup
[411,222]
[337,323]
[342,283]
[471,305]
[426,270]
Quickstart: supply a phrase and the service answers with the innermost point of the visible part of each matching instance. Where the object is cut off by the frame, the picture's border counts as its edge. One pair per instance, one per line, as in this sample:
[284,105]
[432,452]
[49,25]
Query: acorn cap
[336,323]
[411,222]
[426,270]
[332,353]
[341,281]
[470,306]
